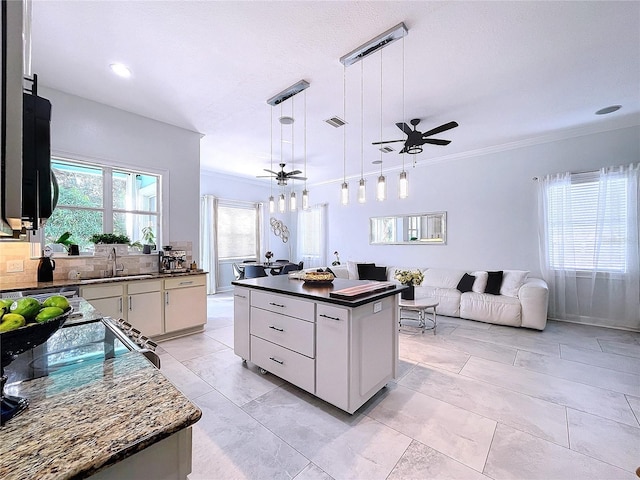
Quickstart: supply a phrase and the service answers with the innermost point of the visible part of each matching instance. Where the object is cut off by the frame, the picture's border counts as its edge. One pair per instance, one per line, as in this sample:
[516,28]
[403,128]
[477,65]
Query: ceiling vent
[387,149]
[336,122]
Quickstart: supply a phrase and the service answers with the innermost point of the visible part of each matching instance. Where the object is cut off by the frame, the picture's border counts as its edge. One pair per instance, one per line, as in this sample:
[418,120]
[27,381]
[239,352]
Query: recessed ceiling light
[610,109]
[120,70]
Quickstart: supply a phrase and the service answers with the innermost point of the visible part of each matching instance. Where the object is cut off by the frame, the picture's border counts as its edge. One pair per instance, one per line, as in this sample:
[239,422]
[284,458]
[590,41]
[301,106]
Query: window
[311,245]
[587,223]
[238,233]
[98,199]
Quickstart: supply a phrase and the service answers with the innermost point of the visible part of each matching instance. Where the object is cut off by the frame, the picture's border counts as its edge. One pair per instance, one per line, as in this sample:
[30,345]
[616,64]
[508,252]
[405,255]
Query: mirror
[411,229]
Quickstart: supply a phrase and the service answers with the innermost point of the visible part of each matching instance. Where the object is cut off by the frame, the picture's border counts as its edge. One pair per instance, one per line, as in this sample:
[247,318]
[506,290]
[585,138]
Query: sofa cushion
[448,299]
[340,271]
[493,283]
[353,269]
[371,272]
[497,309]
[481,281]
[442,277]
[512,281]
[466,283]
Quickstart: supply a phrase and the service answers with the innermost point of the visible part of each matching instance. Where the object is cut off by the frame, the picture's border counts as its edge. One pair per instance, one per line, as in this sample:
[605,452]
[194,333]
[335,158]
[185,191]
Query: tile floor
[474,401]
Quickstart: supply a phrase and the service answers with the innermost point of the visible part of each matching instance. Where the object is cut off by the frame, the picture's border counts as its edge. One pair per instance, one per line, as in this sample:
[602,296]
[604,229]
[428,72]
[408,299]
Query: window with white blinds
[587,223]
[238,231]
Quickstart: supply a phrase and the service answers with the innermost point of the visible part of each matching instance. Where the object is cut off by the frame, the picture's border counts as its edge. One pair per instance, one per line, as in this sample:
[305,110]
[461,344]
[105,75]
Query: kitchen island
[339,348]
[118,417]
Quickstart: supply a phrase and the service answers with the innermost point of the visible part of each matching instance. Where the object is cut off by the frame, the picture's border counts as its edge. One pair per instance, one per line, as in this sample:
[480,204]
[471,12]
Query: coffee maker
[172,261]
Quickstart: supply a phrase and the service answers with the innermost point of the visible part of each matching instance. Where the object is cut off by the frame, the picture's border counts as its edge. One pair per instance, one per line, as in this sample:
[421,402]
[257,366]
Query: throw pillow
[494,282]
[330,271]
[369,271]
[352,267]
[512,281]
[466,283]
[480,284]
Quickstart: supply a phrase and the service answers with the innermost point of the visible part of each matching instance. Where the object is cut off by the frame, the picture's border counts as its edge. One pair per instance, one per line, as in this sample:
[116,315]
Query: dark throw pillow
[362,269]
[371,272]
[466,283]
[330,271]
[493,283]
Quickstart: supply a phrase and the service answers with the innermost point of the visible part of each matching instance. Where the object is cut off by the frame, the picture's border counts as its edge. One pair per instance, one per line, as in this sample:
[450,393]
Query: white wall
[90,131]
[490,201]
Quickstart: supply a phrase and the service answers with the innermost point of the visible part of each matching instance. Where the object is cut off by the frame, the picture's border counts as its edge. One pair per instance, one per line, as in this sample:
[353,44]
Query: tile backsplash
[18,254]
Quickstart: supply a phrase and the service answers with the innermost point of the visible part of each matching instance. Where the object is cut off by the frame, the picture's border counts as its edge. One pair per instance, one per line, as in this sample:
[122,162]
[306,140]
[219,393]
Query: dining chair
[282,261]
[301,265]
[237,271]
[248,261]
[254,271]
[290,267]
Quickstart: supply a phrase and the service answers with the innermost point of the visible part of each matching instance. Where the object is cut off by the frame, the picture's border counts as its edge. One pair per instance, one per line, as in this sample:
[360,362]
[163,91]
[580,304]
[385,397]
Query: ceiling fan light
[305,199]
[272,204]
[344,194]
[281,203]
[403,185]
[381,189]
[414,150]
[362,191]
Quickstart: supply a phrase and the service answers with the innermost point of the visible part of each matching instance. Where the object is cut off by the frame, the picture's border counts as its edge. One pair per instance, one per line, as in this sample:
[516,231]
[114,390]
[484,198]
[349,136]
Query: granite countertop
[9,286]
[287,286]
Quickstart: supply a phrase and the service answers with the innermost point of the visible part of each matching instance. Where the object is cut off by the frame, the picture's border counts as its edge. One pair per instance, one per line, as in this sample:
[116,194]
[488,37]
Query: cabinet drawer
[284,363]
[185,281]
[285,305]
[106,291]
[332,313]
[292,333]
[143,287]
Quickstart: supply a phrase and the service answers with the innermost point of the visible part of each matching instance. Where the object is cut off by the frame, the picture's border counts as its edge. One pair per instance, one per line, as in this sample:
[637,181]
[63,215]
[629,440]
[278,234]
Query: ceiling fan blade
[436,141]
[294,172]
[404,127]
[388,141]
[296,178]
[270,171]
[265,176]
[441,128]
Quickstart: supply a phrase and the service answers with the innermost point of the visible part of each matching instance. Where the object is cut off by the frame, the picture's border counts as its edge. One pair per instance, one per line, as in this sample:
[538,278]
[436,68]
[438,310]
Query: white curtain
[589,249]
[312,236]
[208,250]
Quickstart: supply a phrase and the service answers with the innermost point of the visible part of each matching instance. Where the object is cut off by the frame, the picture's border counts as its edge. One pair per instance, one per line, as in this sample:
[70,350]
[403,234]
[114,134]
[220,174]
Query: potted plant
[70,246]
[105,242]
[409,278]
[149,239]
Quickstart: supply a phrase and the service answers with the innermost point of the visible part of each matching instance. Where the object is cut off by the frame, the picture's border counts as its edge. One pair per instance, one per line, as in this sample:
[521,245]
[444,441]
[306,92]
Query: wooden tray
[362,290]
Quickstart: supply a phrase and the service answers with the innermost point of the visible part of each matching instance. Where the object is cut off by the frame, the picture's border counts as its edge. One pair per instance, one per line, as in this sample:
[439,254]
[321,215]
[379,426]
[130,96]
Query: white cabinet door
[185,308]
[109,307]
[332,355]
[145,312]
[241,342]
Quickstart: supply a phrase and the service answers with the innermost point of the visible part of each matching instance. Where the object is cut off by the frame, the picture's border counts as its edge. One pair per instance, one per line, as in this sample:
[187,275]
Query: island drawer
[143,286]
[289,332]
[185,281]
[284,363]
[284,305]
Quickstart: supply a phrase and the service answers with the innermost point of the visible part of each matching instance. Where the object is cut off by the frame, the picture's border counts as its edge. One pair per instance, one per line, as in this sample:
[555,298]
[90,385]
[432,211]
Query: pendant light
[293,201]
[381,188]
[344,190]
[272,203]
[362,189]
[281,199]
[403,182]
[305,192]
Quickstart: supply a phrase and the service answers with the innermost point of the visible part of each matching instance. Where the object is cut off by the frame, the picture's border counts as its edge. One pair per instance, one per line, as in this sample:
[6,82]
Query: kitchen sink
[115,279]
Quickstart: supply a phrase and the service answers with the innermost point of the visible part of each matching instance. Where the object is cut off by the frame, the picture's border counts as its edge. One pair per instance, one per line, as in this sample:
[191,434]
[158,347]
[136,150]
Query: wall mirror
[411,229]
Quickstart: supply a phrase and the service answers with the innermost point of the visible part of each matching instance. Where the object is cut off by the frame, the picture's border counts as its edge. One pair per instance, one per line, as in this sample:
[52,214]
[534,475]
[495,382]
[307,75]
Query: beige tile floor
[474,401]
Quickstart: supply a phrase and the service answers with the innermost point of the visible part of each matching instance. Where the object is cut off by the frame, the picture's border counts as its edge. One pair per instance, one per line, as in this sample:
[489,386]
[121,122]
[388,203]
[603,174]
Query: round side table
[425,309]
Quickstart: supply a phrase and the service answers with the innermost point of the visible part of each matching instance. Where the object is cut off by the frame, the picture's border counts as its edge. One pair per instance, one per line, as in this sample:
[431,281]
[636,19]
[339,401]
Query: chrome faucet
[114,265]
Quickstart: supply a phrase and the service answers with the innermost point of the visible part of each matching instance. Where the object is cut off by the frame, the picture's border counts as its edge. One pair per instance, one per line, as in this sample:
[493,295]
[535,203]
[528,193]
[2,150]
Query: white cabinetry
[341,354]
[144,307]
[185,302]
[106,299]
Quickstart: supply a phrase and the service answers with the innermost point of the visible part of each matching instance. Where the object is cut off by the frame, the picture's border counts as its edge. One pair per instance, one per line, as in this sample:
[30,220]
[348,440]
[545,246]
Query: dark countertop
[82,420]
[9,286]
[297,288]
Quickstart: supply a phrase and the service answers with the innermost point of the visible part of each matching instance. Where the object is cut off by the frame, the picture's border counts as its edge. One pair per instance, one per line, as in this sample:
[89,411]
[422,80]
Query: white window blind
[587,223]
[237,232]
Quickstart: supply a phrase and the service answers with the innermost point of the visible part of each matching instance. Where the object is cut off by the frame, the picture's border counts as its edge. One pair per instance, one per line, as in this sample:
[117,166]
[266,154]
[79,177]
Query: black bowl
[15,342]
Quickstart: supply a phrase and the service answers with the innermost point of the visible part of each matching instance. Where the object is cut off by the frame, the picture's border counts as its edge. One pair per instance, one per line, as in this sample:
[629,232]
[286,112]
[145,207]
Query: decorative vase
[408,293]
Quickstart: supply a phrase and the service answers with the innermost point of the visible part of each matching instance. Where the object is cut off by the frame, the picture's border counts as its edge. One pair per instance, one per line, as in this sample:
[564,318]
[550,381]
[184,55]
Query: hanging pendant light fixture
[281,200]
[362,189]
[344,190]
[293,201]
[305,192]
[381,188]
[272,202]
[403,181]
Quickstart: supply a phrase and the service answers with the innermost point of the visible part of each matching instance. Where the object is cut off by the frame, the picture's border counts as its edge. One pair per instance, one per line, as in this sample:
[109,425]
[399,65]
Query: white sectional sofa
[522,300]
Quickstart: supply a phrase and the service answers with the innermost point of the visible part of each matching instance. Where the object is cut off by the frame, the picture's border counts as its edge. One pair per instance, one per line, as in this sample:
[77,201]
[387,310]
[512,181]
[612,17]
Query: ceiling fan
[283,176]
[415,139]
